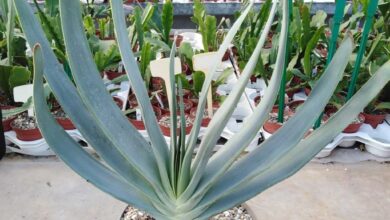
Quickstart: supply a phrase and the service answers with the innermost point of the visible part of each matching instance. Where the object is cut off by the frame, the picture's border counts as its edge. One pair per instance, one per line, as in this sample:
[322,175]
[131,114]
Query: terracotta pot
[354,127]
[330,109]
[132,100]
[113,74]
[187,105]
[295,104]
[271,127]
[226,56]
[66,123]
[7,122]
[139,124]
[27,135]
[186,69]
[253,79]
[167,130]
[206,120]
[118,102]
[157,83]
[257,100]
[374,119]
[179,39]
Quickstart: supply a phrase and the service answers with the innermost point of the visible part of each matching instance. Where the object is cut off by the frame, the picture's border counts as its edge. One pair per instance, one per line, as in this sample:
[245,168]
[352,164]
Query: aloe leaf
[190,145]
[286,137]
[100,102]
[73,154]
[223,114]
[159,146]
[301,154]
[72,104]
[173,115]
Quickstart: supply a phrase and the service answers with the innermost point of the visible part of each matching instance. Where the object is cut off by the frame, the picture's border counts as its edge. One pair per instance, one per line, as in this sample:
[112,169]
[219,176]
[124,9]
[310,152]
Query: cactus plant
[163,179]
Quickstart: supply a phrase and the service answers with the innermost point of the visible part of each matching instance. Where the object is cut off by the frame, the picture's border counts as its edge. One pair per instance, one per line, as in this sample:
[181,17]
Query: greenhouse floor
[45,189]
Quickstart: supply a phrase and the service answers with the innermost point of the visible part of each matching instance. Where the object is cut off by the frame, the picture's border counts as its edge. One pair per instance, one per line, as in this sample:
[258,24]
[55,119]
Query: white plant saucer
[377,141]
[33,148]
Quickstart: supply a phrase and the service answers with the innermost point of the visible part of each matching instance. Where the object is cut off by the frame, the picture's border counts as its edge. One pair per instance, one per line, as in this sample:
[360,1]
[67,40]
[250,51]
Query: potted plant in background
[166,181]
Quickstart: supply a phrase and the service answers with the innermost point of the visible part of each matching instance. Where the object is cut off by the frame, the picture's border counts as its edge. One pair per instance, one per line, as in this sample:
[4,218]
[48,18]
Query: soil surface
[25,122]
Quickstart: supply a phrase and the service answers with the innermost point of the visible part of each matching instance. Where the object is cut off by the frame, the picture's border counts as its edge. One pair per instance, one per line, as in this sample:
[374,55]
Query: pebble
[236,213]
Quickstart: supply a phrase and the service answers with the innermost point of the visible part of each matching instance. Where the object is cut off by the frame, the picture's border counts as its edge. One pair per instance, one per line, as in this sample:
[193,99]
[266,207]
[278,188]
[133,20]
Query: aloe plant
[163,179]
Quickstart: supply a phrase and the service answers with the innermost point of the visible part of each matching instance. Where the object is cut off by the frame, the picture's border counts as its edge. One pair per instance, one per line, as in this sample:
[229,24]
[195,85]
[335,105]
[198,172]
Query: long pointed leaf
[98,99]
[222,116]
[307,148]
[190,146]
[159,146]
[218,166]
[71,102]
[288,136]
[73,154]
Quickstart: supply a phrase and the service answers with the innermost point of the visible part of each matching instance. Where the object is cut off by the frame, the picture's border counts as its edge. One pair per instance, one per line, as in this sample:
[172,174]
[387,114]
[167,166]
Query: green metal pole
[338,17]
[282,90]
[366,30]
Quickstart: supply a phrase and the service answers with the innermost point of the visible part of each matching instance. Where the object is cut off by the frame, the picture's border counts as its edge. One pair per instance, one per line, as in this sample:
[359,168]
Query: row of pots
[272,125]
[162,114]
[31,133]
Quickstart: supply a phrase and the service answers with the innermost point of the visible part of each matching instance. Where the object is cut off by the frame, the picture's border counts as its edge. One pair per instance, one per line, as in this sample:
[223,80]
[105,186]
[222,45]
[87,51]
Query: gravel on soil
[237,213]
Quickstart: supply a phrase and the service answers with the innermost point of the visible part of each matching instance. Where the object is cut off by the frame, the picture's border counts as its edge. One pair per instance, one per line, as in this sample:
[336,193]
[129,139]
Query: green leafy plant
[163,179]
[207,26]
[12,74]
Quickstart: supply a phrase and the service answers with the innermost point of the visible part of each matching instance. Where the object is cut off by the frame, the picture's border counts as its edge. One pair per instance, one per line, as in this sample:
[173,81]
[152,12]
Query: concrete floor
[45,189]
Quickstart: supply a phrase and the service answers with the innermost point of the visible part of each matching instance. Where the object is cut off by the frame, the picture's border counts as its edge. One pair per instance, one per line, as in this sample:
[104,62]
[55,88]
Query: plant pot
[66,123]
[226,55]
[186,69]
[139,124]
[293,105]
[157,83]
[63,120]
[206,119]
[132,100]
[118,101]
[330,109]
[374,119]
[179,39]
[25,134]
[271,126]
[165,126]
[7,121]
[355,126]
[257,100]
[113,74]
[165,110]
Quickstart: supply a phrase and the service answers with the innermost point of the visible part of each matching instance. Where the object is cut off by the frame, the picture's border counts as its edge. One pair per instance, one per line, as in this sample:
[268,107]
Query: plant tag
[204,62]
[120,67]
[22,94]
[138,114]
